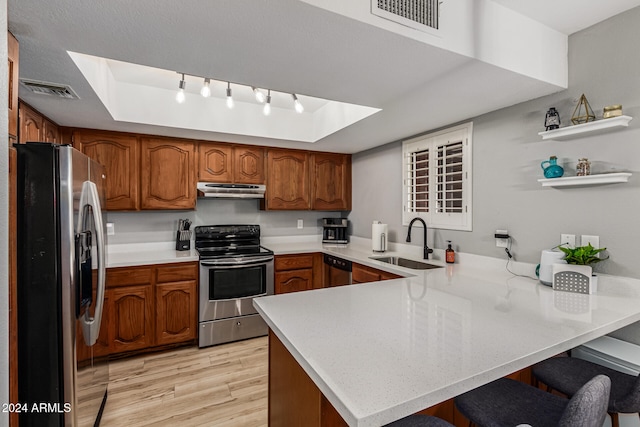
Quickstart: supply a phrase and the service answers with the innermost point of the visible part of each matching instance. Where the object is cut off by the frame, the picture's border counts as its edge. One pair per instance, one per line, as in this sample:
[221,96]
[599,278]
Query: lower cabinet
[364,274]
[147,306]
[300,272]
[132,320]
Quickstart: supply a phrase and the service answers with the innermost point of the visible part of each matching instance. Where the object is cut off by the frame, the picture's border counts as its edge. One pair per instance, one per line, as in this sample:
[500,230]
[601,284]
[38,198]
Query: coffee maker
[335,230]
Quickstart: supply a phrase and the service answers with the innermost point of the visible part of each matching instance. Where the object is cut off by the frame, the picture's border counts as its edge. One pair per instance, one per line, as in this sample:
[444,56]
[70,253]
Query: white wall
[603,63]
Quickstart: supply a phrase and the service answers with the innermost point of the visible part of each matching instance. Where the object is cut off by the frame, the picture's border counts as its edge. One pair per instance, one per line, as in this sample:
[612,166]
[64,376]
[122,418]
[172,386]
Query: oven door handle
[240,264]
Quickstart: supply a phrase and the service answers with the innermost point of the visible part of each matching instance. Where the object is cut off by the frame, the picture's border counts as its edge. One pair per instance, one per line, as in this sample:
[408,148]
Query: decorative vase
[551,168]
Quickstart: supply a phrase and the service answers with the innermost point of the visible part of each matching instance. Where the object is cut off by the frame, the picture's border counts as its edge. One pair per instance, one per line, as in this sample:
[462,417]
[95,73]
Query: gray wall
[603,64]
[160,226]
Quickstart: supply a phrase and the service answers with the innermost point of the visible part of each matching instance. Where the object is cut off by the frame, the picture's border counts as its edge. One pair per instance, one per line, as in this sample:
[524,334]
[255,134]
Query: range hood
[231,191]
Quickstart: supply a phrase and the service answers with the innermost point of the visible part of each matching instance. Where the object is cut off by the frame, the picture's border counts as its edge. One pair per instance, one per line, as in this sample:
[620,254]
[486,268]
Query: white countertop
[132,254]
[381,351]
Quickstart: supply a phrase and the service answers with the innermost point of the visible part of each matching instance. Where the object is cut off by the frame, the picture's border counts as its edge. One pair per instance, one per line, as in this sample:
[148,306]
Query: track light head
[180,97]
[267,106]
[229,97]
[259,95]
[297,105]
[206,88]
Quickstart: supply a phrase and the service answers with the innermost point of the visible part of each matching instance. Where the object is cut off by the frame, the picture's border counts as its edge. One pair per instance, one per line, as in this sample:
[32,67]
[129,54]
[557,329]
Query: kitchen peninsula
[378,352]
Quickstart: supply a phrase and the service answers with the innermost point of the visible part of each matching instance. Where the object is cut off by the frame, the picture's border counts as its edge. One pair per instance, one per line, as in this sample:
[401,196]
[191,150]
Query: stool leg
[614,419]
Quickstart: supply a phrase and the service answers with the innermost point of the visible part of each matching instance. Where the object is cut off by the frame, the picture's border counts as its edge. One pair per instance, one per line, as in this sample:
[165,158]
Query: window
[437,178]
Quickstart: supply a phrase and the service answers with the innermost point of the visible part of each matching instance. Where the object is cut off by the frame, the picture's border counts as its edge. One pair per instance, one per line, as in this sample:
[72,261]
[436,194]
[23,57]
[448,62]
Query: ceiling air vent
[52,89]
[419,14]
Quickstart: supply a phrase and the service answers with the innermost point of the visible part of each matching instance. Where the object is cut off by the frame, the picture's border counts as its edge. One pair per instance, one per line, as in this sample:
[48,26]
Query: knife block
[183,240]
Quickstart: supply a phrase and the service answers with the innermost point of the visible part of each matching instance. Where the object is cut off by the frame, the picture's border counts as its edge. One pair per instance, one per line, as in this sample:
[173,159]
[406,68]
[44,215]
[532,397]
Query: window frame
[430,143]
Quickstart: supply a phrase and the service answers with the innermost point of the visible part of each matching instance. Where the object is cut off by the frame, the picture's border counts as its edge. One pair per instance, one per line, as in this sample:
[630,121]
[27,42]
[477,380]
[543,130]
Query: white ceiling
[285,45]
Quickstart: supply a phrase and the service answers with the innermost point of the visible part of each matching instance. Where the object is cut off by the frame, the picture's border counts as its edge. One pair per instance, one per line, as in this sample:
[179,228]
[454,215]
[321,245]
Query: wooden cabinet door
[364,274]
[176,312]
[330,181]
[13,54]
[50,131]
[30,124]
[248,165]
[215,163]
[119,154]
[132,320]
[293,281]
[287,180]
[167,174]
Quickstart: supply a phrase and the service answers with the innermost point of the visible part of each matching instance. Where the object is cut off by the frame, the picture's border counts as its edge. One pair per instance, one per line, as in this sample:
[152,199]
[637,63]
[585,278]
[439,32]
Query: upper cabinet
[226,163]
[167,174]
[248,165]
[287,180]
[33,126]
[119,154]
[300,180]
[14,59]
[331,181]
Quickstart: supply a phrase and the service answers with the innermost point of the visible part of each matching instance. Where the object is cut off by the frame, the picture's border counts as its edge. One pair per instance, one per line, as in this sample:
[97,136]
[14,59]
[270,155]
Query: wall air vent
[421,15]
[51,89]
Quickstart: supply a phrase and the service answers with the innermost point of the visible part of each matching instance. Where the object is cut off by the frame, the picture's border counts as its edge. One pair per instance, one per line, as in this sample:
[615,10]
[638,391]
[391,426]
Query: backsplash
[160,226]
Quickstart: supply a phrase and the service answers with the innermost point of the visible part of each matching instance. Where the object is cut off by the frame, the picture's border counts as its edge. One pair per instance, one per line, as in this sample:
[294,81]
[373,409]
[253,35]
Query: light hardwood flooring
[222,386]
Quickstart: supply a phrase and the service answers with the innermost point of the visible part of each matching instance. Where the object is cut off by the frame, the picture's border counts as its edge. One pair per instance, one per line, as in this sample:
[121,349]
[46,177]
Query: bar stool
[568,374]
[508,403]
[420,421]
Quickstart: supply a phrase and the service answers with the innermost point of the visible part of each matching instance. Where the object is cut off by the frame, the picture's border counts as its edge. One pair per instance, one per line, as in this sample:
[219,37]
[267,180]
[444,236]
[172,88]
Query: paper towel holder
[379,231]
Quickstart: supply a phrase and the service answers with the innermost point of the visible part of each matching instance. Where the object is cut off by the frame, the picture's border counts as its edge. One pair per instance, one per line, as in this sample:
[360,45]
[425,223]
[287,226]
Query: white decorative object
[577,181]
[591,128]
[574,278]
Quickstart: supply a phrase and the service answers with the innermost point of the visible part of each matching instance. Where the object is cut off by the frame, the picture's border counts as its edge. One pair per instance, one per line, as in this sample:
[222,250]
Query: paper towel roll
[379,236]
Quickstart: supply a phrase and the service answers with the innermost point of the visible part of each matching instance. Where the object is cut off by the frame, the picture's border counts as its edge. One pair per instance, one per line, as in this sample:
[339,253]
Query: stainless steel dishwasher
[337,271]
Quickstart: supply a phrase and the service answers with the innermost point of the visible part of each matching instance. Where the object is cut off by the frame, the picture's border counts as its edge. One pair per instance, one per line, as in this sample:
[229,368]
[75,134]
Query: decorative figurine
[580,117]
[583,168]
[552,119]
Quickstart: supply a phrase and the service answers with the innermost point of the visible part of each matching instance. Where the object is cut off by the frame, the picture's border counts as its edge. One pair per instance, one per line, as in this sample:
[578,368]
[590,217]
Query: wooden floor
[224,385]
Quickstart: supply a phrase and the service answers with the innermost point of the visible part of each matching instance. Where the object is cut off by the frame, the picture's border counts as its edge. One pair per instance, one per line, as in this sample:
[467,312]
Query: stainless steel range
[234,269]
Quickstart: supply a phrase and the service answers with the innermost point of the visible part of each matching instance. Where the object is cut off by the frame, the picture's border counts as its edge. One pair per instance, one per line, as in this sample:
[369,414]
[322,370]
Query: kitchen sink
[404,262]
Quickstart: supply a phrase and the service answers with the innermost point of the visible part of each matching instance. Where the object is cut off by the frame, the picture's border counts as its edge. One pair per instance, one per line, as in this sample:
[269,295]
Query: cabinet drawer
[128,276]
[362,274]
[177,272]
[293,262]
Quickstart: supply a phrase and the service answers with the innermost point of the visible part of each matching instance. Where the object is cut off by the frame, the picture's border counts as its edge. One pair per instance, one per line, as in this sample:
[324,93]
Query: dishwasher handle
[339,263]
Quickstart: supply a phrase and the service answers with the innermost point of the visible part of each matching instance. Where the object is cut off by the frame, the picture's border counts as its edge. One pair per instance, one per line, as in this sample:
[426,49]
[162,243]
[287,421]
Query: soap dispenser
[449,254]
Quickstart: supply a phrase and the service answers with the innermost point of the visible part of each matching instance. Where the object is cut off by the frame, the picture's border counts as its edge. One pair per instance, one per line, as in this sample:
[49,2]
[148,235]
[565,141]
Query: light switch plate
[111,229]
[300,223]
[568,240]
[594,240]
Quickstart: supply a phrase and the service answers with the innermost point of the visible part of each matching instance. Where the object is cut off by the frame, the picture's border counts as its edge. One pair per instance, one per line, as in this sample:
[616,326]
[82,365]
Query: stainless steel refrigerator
[61,286]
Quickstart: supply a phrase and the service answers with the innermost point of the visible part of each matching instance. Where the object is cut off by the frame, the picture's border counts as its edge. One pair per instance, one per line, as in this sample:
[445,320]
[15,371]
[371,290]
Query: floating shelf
[590,128]
[582,181]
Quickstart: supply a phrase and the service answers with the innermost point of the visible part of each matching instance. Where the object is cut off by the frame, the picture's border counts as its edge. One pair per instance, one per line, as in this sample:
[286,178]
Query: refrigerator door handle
[90,197]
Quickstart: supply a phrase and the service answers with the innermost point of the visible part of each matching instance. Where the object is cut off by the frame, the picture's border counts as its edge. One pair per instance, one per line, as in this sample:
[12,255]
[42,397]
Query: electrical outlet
[300,223]
[502,242]
[111,229]
[586,239]
[568,240]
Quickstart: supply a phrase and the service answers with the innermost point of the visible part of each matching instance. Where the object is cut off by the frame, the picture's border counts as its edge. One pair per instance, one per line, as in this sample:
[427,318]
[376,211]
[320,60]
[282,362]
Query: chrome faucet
[427,249]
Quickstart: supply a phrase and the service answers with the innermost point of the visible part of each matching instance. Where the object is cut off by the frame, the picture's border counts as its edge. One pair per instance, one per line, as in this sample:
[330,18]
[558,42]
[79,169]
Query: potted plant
[577,274]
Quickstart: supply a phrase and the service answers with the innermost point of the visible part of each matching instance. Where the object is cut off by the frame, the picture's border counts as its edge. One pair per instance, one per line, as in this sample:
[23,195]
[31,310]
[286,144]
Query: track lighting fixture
[296,104]
[180,95]
[259,95]
[267,106]
[206,89]
[229,97]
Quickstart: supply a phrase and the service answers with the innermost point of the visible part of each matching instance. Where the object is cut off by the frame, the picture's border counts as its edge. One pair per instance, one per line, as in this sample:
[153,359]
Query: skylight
[146,95]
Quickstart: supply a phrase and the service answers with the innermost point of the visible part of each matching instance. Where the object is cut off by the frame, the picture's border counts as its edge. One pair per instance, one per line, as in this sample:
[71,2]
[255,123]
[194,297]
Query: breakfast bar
[378,352]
